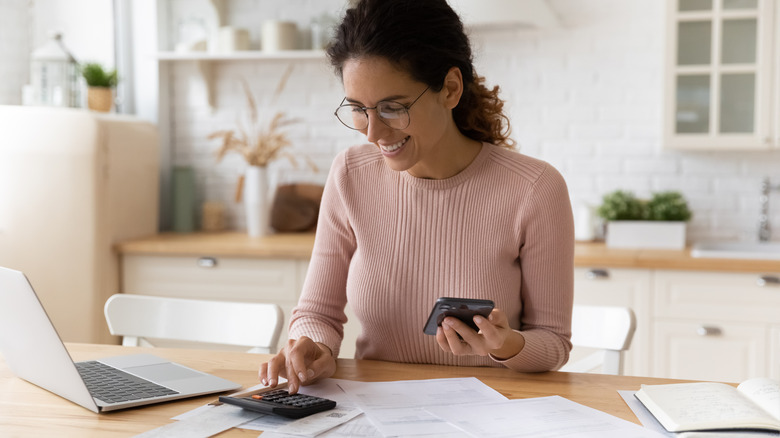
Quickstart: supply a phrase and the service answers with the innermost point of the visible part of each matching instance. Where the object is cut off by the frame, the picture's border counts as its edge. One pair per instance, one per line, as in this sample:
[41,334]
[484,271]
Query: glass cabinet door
[718,74]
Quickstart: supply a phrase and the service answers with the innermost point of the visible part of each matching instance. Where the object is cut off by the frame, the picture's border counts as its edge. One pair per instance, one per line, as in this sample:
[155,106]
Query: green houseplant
[638,223]
[621,206]
[667,206]
[100,84]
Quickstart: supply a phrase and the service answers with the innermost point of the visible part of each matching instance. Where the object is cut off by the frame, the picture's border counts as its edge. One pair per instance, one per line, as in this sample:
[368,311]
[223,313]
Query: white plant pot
[256,202]
[646,234]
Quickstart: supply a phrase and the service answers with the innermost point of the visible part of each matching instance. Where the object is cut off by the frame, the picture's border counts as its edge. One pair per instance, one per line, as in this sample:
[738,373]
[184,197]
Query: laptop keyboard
[113,385]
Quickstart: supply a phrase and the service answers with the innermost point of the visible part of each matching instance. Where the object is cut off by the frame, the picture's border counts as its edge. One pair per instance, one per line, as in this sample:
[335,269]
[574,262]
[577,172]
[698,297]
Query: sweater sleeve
[320,310]
[547,266]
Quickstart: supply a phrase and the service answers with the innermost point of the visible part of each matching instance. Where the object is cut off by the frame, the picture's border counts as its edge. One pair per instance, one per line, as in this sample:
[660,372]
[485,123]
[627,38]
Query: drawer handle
[708,330]
[768,280]
[207,262]
[594,274]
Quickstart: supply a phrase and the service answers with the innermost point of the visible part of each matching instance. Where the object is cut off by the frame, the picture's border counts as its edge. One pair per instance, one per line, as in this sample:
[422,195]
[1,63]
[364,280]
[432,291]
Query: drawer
[774,349]
[711,295]
[710,350]
[226,278]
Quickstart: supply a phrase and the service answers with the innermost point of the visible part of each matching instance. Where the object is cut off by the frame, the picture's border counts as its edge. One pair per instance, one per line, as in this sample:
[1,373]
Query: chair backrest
[256,326]
[606,328]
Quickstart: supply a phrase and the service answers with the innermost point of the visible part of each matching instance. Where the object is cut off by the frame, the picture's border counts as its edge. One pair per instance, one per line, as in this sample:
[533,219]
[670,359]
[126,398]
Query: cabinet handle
[595,274]
[708,330]
[207,262]
[768,280]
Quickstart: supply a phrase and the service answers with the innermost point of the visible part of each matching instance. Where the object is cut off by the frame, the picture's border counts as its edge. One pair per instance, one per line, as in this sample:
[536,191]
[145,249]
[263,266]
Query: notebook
[33,350]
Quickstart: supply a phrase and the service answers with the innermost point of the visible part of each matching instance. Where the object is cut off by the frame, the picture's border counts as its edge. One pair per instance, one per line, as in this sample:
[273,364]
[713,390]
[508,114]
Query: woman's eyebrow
[393,97]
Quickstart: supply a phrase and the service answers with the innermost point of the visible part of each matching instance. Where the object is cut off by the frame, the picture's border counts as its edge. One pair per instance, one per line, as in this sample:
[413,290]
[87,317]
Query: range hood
[536,14]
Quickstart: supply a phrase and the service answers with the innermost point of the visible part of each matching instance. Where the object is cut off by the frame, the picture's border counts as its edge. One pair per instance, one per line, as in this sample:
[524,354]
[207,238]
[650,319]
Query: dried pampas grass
[259,146]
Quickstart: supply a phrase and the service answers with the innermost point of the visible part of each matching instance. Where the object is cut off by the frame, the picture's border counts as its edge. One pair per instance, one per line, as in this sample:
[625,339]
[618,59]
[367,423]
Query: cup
[584,223]
[279,35]
[232,39]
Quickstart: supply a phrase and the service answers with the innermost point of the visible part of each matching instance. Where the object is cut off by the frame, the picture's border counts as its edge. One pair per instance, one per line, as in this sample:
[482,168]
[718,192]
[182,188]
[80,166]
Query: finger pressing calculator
[281,402]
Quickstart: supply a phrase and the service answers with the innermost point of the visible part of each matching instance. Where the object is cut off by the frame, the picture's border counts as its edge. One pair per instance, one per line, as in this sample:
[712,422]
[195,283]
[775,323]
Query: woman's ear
[453,87]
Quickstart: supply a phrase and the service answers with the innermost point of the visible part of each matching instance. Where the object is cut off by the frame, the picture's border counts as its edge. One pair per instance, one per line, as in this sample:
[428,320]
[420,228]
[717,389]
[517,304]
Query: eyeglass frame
[366,108]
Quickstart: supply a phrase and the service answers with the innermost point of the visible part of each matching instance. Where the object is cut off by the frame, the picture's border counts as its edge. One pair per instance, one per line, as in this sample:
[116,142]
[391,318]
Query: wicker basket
[100,99]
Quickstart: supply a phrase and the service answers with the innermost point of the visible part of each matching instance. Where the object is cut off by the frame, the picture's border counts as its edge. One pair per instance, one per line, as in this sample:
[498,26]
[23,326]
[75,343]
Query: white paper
[765,393]
[320,422]
[543,417]
[358,427]
[194,412]
[361,427]
[205,423]
[396,408]
[418,393]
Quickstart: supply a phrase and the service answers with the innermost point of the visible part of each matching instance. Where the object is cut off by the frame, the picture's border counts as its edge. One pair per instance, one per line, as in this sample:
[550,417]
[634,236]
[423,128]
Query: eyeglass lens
[392,114]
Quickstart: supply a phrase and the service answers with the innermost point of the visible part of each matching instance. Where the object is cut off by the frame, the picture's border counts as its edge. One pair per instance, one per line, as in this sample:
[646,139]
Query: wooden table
[28,411]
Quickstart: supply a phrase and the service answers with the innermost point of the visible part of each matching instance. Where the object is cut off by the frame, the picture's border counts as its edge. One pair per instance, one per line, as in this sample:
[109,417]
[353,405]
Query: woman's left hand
[495,337]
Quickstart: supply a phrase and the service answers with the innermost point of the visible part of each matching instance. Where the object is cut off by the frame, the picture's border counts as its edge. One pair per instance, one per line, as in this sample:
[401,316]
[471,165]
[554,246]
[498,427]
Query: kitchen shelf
[205,60]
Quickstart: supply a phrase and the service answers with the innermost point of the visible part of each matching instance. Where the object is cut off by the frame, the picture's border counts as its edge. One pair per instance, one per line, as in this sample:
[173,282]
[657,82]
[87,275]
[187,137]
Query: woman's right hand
[302,362]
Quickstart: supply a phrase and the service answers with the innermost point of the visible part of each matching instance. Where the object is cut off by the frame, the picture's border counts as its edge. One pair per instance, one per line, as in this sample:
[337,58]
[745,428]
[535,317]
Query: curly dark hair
[426,39]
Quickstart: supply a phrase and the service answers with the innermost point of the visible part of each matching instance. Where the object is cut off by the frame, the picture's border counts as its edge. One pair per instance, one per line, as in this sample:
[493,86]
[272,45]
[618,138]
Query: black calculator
[281,402]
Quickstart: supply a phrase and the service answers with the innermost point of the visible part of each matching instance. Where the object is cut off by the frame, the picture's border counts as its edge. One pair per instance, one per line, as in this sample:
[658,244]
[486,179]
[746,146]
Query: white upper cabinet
[537,14]
[718,76]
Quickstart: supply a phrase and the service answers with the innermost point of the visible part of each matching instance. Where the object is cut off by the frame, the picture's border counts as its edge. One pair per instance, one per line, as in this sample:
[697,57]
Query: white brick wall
[586,97]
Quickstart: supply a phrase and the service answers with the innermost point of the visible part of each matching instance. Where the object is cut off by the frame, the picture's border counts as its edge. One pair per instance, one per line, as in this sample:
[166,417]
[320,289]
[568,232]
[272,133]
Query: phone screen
[462,308]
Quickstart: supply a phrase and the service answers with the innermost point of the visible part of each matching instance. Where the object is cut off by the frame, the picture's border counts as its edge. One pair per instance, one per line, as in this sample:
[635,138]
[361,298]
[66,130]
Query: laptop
[33,350]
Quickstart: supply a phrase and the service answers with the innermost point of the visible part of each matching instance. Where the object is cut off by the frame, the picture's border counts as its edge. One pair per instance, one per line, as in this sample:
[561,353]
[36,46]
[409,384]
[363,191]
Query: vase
[100,99]
[256,201]
[183,199]
[646,234]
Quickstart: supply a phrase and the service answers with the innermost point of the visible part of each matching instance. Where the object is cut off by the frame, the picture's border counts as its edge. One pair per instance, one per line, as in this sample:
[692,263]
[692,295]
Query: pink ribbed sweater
[391,244]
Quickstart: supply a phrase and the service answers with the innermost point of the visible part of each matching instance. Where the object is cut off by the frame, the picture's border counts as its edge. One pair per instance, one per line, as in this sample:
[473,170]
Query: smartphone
[462,308]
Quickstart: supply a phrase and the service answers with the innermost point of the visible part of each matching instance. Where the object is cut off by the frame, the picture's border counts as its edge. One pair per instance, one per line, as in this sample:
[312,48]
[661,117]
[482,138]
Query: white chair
[144,320]
[608,329]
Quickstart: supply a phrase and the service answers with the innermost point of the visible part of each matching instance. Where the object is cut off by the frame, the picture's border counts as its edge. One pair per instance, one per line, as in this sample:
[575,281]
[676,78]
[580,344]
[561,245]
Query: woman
[436,204]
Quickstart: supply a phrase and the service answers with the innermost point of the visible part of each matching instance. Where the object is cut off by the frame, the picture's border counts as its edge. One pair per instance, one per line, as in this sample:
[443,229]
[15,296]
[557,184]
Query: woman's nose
[376,128]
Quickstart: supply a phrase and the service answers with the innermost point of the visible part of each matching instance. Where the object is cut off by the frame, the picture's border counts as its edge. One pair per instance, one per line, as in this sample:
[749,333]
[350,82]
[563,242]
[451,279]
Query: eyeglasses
[392,114]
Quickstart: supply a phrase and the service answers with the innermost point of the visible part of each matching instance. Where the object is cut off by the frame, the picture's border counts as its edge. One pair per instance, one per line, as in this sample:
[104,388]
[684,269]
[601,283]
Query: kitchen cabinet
[714,326]
[267,280]
[625,288]
[774,360]
[697,325]
[720,92]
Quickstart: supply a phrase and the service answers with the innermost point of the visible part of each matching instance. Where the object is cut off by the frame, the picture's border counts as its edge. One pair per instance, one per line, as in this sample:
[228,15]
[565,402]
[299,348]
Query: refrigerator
[73,183]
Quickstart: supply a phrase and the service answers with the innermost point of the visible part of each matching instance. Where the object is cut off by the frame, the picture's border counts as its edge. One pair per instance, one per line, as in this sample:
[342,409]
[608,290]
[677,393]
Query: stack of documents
[462,407]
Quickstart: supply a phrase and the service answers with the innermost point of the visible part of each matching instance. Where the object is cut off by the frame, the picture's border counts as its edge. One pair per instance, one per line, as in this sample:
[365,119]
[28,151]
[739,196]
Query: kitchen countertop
[299,246]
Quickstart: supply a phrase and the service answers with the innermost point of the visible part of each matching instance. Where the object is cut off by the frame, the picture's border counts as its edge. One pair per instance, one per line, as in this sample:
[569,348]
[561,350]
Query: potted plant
[636,223]
[100,84]
[259,144]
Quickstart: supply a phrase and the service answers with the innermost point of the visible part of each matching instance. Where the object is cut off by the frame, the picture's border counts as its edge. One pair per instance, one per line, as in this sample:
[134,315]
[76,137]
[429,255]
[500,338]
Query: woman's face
[368,81]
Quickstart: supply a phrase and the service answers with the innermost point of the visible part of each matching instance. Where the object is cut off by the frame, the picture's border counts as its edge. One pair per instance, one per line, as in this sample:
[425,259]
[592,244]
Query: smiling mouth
[395,146]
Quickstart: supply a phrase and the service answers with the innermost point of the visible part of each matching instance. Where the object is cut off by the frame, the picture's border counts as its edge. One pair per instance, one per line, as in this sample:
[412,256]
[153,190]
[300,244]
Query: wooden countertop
[227,244]
[299,246]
